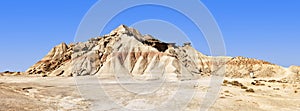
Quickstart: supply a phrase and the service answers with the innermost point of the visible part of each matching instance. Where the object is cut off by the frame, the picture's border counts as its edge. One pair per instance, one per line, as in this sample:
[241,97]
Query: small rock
[225,81]
[244,87]
[272,81]
[26,88]
[222,97]
[250,90]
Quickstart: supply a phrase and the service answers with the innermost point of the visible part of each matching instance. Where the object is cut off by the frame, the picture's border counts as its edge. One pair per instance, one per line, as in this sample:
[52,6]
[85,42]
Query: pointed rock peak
[63,46]
[123,26]
[59,49]
[187,44]
[123,29]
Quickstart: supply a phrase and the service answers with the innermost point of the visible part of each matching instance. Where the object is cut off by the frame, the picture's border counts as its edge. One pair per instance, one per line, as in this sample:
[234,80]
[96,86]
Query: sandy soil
[38,94]
[66,94]
[268,95]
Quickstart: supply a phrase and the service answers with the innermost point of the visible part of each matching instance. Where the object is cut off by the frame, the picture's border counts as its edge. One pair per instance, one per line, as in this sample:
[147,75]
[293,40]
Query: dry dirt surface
[258,95]
[39,94]
[62,94]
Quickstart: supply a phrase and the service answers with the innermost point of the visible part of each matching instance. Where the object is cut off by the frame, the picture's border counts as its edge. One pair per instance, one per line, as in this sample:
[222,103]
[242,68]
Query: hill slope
[126,51]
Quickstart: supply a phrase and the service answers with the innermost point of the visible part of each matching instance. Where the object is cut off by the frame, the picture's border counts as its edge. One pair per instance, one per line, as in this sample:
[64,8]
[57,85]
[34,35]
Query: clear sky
[262,29]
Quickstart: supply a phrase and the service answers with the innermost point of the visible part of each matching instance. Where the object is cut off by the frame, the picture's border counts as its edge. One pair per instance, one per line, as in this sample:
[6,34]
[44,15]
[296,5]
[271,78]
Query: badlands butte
[248,84]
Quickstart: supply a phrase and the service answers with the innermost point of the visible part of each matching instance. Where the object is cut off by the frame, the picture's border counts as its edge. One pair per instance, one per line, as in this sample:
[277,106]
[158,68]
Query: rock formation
[242,67]
[126,51]
[56,58]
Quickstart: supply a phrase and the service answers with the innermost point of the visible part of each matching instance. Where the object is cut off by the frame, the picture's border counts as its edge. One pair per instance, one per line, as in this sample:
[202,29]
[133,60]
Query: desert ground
[20,93]
[39,94]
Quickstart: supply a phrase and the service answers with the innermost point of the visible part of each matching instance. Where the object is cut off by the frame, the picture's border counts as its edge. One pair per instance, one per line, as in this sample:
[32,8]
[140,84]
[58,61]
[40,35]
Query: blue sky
[262,29]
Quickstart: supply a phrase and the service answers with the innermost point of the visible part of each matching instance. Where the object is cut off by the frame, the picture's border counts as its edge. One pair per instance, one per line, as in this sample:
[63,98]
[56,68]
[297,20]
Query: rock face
[242,67]
[56,58]
[295,69]
[125,51]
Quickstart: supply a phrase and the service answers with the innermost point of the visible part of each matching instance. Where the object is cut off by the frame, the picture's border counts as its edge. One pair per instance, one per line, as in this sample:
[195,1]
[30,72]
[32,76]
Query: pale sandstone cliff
[126,51]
